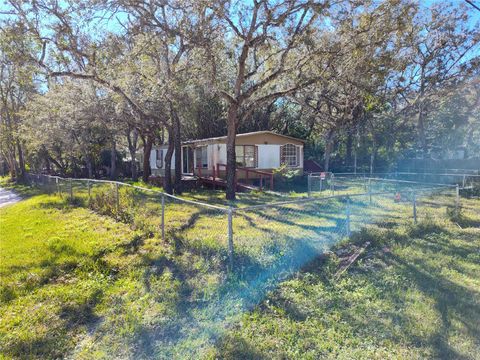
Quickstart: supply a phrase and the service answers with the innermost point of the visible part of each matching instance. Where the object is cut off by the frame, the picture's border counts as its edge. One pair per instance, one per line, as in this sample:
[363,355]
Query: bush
[105,202]
[286,178]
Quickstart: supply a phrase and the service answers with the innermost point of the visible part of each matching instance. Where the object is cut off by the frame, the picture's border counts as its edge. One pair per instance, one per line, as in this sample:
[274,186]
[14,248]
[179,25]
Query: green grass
[415,294]
[102,284]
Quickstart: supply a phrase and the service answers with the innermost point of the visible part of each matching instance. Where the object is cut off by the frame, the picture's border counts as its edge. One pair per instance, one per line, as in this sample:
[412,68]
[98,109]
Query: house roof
[221,138]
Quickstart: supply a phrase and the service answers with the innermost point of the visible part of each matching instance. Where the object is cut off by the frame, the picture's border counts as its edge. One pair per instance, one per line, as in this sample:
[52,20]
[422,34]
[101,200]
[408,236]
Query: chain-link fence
[264,239]
[464,178]
[277,236]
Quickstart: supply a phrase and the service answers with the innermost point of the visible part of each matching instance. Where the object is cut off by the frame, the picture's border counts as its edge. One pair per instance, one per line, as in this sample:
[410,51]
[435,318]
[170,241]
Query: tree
[17,85]
[436,54]
[262,47]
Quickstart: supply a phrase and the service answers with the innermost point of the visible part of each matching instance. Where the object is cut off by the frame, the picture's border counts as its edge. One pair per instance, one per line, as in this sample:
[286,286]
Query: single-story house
[260,151]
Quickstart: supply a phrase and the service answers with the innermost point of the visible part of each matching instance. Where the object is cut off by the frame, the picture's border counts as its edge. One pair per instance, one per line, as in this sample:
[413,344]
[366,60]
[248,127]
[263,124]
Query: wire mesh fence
[263,243]
[275,236]
[464,178]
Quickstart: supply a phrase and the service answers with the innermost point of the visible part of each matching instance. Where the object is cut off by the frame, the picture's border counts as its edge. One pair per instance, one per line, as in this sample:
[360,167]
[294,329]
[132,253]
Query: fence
[465,178]
[253,235]
[263,242]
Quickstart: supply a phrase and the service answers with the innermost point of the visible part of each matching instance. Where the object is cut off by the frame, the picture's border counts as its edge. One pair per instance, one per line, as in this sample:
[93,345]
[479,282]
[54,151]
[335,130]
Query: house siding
[268,156]
[268,152]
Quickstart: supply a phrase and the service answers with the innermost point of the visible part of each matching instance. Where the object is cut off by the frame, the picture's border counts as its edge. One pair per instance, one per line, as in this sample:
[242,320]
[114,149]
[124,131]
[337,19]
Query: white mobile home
[261,151]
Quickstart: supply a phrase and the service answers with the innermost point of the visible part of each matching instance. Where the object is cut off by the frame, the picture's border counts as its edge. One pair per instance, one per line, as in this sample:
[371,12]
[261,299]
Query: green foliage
[119,205]
[284,177]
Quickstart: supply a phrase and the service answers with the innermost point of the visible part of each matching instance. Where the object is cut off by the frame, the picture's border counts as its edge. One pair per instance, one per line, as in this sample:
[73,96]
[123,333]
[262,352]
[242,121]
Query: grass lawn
[415,294]
[84,285]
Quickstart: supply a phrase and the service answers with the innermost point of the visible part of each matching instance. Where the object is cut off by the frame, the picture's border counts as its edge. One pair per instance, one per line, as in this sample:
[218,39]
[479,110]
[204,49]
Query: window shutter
[282,154]
[255,156]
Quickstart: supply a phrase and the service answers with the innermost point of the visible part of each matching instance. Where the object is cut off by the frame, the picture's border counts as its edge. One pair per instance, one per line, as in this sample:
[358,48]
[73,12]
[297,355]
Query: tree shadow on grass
[454,303]
[53,342]
[452,300]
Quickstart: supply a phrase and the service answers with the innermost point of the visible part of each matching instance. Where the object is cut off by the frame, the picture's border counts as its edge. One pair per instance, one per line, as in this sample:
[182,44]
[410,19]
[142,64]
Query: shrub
[105,202]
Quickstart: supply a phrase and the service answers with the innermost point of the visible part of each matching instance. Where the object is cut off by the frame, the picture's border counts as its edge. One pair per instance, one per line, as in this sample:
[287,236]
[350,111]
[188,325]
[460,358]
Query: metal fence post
[117,197]
[347,210]
[457,199]
[332,184]
[163,217]
[71,189]
[321,183]
[414,207]
[370,190]
[309,184]
[463,181]
[230,237]
[89,191]
[58,187]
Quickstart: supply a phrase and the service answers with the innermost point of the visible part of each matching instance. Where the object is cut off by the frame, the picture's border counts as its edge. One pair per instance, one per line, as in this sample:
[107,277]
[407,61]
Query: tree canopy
[85,85]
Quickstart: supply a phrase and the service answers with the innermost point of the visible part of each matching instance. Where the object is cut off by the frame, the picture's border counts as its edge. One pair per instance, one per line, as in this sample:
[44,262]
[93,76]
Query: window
[159,158]
[246,155]
[289,155]
[201,157]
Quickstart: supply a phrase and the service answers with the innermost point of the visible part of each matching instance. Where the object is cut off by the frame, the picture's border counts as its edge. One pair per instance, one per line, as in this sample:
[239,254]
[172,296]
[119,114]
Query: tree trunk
[177,143]
[328,150]
[21,162]
[421,130]
[372,157]
[167,180]
[113,161]
[421,114]
[355,162]
[147,148]
[349,147]
[132,148]
[231,157]
[133,165]
[88,159]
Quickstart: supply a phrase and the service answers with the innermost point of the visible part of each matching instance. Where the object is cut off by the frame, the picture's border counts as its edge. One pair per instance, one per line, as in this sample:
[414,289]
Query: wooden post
[58,186]
[332,185]
[261,181]
[271,182]
[230,237]
[71,190]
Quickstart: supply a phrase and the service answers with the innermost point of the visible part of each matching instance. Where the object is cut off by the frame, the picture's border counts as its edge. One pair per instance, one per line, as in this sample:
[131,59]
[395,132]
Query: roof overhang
[224,138]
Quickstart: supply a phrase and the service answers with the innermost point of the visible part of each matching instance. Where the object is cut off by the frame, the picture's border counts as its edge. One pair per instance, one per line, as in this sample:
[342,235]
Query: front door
[187,160]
